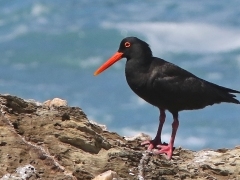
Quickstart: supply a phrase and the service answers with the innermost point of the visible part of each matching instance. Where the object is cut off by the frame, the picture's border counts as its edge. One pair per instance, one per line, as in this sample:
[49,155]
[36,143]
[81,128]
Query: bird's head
[130,47]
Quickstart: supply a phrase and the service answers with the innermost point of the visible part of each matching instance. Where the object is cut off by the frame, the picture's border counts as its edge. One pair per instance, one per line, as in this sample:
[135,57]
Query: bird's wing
[168,77]
[180,83]
[183,87]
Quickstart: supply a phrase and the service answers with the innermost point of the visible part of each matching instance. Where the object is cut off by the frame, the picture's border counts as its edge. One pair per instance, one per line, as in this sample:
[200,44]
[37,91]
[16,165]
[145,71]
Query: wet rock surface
[59,142]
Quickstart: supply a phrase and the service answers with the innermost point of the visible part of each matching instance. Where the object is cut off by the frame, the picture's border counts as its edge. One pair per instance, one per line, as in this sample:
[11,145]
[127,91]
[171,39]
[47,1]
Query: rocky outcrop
[54,141]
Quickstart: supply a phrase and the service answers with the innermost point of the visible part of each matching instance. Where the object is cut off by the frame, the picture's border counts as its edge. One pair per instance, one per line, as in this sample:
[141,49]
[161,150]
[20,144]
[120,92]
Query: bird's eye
[127,44]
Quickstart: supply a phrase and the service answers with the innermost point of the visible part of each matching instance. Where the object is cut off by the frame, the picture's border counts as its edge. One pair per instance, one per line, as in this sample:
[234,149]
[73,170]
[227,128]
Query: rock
[56,102]
[140,136]
[108,175]
[60,143]
[22,173]
[104,127]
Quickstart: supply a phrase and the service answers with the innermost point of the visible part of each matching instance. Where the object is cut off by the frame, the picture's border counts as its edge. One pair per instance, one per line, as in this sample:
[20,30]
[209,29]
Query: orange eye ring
[127,44]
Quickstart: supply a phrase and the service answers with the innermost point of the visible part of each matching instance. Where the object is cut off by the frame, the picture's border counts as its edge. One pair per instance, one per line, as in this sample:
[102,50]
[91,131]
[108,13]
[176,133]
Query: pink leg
[157,140]
[168,149]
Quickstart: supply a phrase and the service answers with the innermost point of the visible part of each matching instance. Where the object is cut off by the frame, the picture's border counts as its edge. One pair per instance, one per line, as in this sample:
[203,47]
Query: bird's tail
[226,93]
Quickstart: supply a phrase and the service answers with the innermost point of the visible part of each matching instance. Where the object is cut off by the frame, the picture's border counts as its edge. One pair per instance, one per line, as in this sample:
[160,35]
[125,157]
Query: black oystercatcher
[165,86]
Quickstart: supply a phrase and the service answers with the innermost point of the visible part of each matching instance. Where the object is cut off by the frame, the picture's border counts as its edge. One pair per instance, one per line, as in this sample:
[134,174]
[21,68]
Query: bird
[165,86]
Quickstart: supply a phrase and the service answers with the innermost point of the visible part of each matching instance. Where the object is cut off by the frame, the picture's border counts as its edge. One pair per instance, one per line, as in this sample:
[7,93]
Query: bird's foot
[165,149]
[153,143]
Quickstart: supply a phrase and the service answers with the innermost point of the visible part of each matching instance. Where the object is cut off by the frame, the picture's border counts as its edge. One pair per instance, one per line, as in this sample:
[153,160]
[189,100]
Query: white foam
[201,62]
[18,31]
[141,102]
[214,76]
[134,102]
[97,114]
[38,9]
[192,141]
[90,62]
[107,118]
[182,36]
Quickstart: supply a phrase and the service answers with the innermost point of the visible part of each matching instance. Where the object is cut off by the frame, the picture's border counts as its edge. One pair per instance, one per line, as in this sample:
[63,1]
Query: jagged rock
[61,143]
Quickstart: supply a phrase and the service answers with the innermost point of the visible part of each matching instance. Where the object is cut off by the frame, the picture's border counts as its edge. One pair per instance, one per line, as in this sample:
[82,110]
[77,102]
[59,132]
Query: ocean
[52,48]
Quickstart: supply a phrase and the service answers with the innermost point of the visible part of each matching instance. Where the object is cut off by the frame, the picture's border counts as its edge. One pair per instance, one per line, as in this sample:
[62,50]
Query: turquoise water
[51,49]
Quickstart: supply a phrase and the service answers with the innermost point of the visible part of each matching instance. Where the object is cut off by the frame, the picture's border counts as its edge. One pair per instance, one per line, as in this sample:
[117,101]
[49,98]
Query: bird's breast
[140,78]
[139,83]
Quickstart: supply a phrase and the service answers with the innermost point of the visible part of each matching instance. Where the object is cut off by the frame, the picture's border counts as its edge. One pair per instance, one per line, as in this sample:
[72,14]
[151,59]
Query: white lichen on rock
[22,173]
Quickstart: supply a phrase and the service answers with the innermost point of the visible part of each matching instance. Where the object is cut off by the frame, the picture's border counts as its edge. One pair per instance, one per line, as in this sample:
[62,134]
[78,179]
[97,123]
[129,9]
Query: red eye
[127,44]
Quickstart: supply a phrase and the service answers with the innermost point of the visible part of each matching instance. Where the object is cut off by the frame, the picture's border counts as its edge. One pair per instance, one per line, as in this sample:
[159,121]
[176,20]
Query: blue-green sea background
[51,49]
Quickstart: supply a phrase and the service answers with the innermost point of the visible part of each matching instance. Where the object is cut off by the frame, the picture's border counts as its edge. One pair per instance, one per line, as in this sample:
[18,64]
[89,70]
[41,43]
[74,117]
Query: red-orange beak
[116,57]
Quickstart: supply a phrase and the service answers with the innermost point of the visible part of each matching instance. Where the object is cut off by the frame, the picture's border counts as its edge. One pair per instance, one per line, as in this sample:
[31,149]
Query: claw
[152,144]
[165,149]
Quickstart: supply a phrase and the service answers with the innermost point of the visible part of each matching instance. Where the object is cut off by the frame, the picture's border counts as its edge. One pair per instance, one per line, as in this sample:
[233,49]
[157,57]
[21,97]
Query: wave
[91,62]
[182,36]
[39,9]
[16,32]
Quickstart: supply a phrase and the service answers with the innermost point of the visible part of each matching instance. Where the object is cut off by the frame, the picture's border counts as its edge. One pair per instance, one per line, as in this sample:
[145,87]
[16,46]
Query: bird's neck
[136,71]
